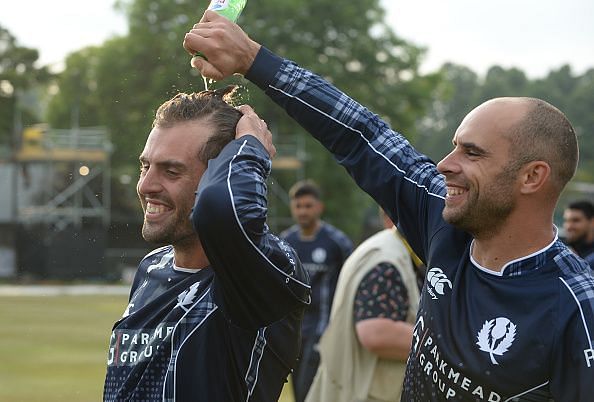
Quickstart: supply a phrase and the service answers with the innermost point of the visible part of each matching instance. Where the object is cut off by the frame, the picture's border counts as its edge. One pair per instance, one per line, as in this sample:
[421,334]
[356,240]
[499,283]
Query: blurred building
[55,204]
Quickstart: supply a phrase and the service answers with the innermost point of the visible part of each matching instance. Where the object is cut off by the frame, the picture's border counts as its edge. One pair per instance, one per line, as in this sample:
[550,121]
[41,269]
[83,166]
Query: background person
[507,310]
[322,249]
[214,314]
[364,349]
[578,223]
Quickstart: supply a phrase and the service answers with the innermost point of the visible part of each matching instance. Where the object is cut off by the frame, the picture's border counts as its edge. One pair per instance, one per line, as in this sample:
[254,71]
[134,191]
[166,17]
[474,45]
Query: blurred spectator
[578,223]
[322,249]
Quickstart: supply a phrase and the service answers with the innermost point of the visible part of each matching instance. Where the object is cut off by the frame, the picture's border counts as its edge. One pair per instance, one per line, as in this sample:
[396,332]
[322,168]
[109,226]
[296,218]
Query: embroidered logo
[437,282]
[187,296]
[318,255]
[496,336]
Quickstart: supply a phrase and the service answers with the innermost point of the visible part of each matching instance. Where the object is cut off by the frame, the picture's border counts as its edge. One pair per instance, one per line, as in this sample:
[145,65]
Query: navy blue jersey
[228,332]
[524,333]
[322,257]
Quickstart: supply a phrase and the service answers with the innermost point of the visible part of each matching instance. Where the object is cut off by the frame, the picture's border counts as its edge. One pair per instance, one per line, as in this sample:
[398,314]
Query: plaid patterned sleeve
[258,278]
[382,162]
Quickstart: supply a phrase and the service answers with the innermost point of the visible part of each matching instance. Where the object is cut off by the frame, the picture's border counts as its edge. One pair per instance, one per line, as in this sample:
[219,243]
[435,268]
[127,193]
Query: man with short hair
[322,249]
[214,314]
[578,223]
[507,310]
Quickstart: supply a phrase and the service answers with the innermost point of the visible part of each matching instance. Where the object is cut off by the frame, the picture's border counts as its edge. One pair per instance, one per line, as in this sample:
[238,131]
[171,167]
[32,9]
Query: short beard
[485,216]
[177,232]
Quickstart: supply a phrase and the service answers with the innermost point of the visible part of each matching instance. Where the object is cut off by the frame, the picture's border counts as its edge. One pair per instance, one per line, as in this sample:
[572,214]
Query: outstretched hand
[251,124]
[227,48]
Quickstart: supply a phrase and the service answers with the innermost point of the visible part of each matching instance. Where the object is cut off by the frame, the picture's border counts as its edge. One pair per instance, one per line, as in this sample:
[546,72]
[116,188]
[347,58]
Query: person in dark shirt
[214,314]
[322,249]
[578,223]
[507,310]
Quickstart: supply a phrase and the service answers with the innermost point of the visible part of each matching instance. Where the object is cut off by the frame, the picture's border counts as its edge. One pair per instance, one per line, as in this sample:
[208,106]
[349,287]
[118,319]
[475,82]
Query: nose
[448,164]
[148,182]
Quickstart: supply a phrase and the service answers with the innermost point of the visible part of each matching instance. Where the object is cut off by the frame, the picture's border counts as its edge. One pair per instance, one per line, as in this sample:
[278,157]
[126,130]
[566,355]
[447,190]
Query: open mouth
[154,211]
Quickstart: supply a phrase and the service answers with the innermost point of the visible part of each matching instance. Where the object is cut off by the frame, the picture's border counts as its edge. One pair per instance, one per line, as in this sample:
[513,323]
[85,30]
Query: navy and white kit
[322,256]
[228,332]
[525,333]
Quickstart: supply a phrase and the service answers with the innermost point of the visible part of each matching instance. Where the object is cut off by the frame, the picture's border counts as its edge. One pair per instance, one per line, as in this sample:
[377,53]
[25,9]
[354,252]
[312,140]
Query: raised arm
[382,162]
[258,278]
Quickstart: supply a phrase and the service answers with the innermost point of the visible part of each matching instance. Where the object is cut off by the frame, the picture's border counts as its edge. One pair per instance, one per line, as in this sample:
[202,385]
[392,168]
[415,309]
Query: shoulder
[155,254]
[576,287]
[337,236]
[289,232]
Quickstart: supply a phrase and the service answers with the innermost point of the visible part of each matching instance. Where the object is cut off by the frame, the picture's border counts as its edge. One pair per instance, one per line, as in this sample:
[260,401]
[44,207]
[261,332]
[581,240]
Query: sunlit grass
[55,348]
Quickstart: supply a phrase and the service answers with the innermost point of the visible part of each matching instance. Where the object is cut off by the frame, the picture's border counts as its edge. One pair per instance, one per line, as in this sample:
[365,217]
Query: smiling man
[203,323]
[507,310]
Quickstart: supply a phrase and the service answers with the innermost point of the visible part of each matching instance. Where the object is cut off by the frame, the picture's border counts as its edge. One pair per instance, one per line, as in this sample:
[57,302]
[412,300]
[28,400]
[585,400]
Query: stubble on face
[486,209]
[177,229]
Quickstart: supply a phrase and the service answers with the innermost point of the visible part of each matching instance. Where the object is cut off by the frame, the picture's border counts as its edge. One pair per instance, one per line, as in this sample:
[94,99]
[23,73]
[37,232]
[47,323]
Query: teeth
[154,209]
[455,191]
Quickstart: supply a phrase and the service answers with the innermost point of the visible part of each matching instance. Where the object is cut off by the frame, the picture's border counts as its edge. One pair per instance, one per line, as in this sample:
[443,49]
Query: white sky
[533,35]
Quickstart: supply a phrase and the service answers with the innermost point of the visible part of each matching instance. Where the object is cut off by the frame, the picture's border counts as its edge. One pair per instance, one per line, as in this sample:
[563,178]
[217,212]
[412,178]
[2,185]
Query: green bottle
[229,9]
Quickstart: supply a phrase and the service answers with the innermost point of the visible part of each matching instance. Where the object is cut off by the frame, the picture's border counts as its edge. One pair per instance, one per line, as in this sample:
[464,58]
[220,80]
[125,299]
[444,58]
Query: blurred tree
[454,97]
[348,43]
[18,74]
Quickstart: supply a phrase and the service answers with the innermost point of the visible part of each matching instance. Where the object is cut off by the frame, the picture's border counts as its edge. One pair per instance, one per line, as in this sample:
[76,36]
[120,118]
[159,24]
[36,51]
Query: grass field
[55,348]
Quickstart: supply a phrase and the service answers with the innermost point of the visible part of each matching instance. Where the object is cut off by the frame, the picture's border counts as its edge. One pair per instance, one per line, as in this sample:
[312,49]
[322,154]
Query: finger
[202,31]
[210,15]
[192,42]
[199,25]
[206,69]
[245,109]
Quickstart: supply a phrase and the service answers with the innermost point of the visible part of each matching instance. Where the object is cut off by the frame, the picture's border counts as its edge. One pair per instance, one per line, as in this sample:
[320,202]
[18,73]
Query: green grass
[55,348]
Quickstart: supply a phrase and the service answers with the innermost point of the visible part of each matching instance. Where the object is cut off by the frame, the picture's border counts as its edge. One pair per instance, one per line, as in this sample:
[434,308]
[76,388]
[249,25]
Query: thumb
[206,69]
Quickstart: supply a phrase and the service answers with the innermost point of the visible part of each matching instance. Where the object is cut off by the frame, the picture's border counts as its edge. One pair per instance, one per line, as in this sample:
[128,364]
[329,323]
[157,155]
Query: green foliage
[18,74]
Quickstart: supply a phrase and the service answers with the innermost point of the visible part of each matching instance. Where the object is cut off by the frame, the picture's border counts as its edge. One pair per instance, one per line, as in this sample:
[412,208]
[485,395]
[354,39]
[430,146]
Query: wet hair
[305,187]
[584,206]
[214,107]
[545,134]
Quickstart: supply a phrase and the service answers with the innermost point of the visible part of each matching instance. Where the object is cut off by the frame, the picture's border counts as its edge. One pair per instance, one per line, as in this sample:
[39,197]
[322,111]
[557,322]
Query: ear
[534,176]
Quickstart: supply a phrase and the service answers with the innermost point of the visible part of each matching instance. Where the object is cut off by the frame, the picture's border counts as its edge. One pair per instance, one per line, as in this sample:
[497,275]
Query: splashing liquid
[207,82]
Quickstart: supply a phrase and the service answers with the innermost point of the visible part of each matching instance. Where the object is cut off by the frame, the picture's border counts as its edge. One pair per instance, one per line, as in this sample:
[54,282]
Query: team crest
[318,255]
[496,336]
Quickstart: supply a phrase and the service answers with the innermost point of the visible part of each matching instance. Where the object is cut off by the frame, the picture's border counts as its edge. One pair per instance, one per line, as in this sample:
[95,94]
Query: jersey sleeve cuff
[264,68]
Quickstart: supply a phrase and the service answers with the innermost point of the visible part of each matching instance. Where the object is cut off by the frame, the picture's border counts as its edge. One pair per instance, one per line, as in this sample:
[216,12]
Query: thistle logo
[187,297]
[437,282]
[496,336]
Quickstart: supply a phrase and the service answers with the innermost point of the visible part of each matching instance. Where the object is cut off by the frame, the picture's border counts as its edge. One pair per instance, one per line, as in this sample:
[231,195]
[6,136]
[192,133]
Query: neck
[512,241]
[310,231]
[190,255]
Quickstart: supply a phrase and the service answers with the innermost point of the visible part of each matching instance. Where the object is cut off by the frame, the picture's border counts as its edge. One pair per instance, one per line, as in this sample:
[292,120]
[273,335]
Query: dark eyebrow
[471,146]
[169,163]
